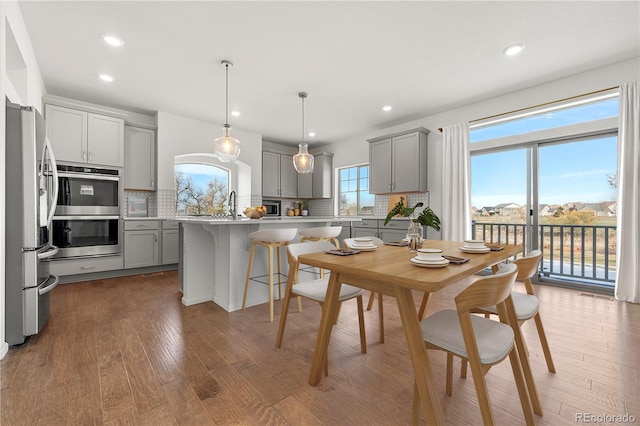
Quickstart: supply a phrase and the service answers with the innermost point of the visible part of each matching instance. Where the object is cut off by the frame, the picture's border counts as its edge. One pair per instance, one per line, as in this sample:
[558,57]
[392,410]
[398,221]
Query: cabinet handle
[141,225]
[84,155]
[152,183]
[89,155]
[155,237]
[87,267]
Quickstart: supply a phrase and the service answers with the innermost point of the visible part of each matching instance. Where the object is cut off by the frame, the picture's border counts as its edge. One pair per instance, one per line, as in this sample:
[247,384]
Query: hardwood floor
[126,351]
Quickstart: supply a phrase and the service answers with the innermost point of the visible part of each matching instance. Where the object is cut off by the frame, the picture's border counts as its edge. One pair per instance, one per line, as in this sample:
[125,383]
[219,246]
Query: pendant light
[303,161]
[226,147]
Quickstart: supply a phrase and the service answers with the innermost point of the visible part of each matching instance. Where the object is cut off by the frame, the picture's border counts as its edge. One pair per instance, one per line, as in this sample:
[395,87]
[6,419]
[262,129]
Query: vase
[414,234]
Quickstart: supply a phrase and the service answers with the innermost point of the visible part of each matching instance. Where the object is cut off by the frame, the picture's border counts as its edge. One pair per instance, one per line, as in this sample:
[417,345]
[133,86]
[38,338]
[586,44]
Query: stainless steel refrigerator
[30,197]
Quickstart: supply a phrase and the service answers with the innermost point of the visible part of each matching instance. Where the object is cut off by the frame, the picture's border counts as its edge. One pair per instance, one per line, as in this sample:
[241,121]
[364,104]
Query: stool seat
[321,232]
[271,239]
[274,235]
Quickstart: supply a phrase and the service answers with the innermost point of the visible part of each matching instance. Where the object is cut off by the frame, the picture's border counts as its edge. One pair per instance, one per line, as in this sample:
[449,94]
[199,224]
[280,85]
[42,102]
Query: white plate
[474,250]
[429,265]
[431,262]
[370,245]
[363,248]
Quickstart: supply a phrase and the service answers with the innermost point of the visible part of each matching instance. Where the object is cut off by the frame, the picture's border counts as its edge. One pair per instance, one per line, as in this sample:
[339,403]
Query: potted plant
[304,207]
[426,218]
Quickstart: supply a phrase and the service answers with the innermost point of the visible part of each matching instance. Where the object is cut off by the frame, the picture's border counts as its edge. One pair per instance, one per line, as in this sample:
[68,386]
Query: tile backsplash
[162,203]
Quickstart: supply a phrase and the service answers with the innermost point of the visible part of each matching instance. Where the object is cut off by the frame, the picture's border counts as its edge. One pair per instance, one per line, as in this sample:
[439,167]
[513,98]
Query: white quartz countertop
[264,220]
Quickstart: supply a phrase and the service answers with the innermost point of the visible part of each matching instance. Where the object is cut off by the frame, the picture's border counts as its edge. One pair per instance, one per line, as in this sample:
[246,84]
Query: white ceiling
[421,57]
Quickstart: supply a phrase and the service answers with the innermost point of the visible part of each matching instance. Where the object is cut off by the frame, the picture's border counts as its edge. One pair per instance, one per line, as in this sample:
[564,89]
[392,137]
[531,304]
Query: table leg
[429,398]
[329,311]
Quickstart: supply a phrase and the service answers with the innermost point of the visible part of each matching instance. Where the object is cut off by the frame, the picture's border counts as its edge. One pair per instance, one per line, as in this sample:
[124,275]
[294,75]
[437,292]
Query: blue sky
[569,172]
[201,174]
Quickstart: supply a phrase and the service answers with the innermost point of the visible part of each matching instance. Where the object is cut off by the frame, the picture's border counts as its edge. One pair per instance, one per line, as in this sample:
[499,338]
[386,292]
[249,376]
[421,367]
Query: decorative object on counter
[304,208]
[415,233]
[303,161]
[137,206]
[290,211]
[226,147]
[255,212]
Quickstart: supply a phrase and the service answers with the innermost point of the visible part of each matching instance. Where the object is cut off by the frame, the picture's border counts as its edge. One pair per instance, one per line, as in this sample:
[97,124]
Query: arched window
[201,189]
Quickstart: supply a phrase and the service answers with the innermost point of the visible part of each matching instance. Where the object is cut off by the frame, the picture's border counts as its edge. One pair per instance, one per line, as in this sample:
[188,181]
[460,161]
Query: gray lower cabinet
[395,230]
[170,242]
[141,244]
[85,265]
[346,229]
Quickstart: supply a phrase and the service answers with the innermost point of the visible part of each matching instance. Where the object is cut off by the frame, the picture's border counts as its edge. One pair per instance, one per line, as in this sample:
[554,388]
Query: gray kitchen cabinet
[398,163]
[305,185]
[346,229]
[170,242]
[84,137]
[139,158]
[395,230]
[317,184]
[141,244]
[322,175]
[279,177]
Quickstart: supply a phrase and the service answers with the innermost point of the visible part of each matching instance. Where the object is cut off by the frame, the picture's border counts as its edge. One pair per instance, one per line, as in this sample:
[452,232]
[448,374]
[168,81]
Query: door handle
[47,289]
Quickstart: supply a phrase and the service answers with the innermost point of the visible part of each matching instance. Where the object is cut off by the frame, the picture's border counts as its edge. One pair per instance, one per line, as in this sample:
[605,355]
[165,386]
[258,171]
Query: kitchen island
[215,253]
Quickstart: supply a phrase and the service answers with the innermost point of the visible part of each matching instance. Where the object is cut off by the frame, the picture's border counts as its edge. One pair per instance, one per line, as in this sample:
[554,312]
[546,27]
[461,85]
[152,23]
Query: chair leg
[415,411]
[544,343]
[449,385]
[463,369]
[381,317]
[285,309]
[372,296]
[423,306]
[481,392]
[270,284]
[335,320]
[363,336]
[525,400]
[246,283]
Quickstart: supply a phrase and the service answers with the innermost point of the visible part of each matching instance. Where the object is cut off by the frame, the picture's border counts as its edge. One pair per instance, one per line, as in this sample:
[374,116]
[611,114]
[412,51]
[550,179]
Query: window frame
[357,191]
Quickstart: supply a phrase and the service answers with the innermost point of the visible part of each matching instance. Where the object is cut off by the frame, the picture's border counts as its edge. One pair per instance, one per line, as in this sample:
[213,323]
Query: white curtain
[456,183]
[628,213]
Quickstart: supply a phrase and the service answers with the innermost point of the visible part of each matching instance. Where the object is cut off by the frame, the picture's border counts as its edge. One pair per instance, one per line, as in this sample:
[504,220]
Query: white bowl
[431,254]
[474,244]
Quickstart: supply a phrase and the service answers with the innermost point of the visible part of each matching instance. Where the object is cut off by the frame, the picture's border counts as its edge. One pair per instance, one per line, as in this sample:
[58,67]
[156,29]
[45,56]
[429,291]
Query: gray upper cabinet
[139,158]
[323,175]
[279,177]
[317,184]
[398,163]
[84,137]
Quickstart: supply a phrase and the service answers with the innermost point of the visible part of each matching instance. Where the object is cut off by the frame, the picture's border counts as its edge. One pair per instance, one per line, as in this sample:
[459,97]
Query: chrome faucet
[232,205]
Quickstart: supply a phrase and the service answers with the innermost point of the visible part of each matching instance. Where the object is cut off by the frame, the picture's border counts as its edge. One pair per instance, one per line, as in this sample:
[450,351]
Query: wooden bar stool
[321,233]
[270,238]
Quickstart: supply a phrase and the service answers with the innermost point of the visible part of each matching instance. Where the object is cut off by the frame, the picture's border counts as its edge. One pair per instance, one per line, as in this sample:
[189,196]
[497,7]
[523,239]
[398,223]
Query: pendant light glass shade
[303,161]
[226,147]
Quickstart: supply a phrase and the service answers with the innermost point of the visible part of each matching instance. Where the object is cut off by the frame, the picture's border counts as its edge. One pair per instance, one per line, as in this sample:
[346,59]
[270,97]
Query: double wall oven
[87,219]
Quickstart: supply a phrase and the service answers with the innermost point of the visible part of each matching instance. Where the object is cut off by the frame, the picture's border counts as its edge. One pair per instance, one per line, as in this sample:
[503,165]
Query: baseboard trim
[4,349]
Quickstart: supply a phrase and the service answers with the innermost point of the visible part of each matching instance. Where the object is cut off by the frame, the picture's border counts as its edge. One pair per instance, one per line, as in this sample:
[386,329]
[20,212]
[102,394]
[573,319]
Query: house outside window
[201,189]
[353,191]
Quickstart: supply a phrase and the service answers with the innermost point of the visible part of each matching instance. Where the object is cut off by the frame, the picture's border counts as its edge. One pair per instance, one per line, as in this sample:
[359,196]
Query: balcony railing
[584,253]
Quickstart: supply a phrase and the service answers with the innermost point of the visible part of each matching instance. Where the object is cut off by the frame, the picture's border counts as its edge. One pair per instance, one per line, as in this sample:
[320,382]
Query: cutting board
[394,199]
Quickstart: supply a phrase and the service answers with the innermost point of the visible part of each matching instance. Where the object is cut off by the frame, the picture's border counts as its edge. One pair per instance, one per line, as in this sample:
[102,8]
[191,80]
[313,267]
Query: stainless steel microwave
[273,207]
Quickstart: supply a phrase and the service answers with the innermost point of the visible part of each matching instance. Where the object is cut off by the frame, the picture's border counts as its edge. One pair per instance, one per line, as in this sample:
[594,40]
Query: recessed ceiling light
[387,108]
[106,77]
[113,40]
[311,134]
[235,113]
[514,49]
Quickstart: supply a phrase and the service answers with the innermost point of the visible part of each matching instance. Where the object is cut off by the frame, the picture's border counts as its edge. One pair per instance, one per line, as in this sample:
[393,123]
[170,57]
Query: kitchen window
[353,192]
[201,189]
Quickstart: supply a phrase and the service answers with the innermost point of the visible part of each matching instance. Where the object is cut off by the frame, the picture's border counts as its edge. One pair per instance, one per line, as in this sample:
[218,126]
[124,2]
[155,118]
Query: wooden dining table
[388,270]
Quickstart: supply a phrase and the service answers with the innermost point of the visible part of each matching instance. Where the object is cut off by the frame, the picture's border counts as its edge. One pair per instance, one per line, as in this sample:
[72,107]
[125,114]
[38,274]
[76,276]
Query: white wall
[11,20]
[356,150]
[179,135]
